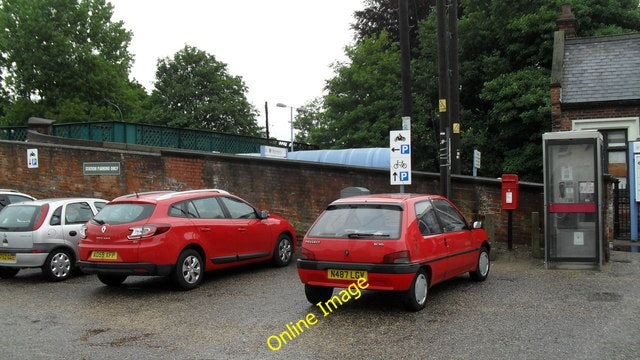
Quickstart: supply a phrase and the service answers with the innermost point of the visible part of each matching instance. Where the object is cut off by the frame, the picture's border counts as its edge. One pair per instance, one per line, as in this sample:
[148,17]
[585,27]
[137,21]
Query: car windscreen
[358,221]
[19,218]
[123,213]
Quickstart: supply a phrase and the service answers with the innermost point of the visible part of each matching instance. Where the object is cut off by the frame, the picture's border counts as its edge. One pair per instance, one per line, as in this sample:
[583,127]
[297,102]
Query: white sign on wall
[400,158]
[32,158]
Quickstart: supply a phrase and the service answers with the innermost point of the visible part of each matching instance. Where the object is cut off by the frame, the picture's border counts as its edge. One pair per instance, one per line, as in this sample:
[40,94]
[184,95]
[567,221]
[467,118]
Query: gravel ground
[522,311]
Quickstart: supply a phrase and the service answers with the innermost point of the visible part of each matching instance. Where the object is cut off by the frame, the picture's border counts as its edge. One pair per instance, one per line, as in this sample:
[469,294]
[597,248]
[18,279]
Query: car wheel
[416,296]
[112,280]
[283,251]
[58,265]
[8,272]
[188,272]
[484,264]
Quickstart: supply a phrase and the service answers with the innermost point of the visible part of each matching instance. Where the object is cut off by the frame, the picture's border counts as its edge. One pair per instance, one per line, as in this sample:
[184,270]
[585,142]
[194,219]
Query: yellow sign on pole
[442,104]
[456,128]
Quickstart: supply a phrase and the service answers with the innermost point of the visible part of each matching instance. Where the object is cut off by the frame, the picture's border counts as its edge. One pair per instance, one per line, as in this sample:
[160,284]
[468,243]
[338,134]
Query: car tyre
[8,272]
[111,279]
[316,294]
[283,252]
[58,265]
[483,266]
[189,270]
[416,296]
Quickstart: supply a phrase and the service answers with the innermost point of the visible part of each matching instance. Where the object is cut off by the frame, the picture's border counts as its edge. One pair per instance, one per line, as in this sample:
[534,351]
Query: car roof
[15,192]
[156,196]
[53,202]
[385,198]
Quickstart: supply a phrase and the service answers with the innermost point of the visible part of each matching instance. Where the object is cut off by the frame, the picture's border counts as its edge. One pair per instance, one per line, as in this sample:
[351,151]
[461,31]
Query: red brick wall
[562,117]
[296,190]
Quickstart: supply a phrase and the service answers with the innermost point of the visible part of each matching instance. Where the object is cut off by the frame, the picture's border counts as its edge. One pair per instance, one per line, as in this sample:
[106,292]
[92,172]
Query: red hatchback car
[400,242]
[181,235]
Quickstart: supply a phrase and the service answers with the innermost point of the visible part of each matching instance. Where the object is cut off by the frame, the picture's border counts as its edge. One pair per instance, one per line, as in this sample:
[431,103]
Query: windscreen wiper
[358,235]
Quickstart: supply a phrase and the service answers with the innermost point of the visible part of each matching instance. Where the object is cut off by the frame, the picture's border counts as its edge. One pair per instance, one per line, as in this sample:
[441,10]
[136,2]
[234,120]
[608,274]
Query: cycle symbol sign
[400,157]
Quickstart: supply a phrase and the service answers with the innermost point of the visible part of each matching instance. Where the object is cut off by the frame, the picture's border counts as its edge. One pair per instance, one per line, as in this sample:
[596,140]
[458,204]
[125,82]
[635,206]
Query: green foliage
[61,59]
[364,98]
[194,90]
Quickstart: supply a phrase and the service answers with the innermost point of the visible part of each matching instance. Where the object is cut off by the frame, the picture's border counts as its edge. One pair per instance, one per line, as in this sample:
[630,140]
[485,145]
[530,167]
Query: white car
[44,233]
[8,196]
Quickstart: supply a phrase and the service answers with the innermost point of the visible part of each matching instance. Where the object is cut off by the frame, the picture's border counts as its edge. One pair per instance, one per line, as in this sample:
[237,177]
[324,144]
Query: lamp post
[291,121]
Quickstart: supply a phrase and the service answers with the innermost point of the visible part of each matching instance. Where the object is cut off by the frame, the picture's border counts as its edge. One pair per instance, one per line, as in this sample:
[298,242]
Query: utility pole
[454,87]
[444,145]
[405,53]
[266,116]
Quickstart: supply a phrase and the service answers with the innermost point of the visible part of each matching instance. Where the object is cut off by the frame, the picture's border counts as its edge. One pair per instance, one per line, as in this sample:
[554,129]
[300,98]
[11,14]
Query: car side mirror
[263,214]
[477,224]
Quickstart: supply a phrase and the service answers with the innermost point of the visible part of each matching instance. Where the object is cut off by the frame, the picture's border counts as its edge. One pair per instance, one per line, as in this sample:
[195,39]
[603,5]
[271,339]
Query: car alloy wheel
[283,251]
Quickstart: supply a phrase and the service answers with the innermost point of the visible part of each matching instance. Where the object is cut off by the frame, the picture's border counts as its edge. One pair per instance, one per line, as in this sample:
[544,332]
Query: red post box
[509,191]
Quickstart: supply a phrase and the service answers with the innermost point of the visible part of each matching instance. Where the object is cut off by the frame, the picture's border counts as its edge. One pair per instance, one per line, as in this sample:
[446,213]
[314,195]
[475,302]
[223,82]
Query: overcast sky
[282,49]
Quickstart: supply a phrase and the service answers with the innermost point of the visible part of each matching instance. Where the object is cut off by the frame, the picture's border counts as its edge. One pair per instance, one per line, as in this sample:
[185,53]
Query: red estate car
[405,242]
[181,235]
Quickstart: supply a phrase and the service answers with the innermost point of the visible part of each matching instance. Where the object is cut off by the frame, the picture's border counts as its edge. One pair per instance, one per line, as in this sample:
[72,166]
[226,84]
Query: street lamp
[291,107]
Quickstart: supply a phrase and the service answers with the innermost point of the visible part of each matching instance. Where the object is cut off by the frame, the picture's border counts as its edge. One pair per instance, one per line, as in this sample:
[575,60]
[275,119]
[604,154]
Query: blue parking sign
[404,176]
[405,149]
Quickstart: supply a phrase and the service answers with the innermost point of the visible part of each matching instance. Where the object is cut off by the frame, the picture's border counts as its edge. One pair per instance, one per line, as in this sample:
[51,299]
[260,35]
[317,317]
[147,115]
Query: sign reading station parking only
[400,164]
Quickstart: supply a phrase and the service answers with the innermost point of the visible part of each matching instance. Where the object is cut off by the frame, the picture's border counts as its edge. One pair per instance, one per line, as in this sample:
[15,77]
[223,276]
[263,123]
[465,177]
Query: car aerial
[44,233]
[8,196]
[399,242]
[181,235]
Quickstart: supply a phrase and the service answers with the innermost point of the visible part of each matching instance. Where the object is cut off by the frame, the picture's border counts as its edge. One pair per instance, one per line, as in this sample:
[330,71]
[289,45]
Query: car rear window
[123,213]
[358,221]
[19,218]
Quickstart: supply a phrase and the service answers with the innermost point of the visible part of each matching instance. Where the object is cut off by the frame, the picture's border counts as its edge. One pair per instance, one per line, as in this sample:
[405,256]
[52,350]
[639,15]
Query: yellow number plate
[104,255]
[346,274]
[7,257]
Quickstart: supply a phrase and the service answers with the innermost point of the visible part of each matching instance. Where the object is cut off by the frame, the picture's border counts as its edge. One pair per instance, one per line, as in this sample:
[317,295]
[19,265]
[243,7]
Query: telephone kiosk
[573,198]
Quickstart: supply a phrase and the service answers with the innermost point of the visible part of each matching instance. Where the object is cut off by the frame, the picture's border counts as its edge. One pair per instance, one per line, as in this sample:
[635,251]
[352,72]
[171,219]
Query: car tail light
[148,230]
[400,257]
[43,214]
[307,254]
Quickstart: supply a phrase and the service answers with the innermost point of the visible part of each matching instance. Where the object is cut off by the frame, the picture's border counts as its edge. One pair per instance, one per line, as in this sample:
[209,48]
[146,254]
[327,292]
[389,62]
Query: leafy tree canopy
[194,90]
[64,59]
[505,50]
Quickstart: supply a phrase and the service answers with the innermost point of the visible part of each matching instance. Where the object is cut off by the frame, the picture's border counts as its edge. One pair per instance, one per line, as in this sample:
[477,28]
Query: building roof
[604,68]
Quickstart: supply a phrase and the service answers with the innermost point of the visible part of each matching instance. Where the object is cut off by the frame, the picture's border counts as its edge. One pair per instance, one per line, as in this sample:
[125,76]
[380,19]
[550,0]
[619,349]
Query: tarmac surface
[522,311]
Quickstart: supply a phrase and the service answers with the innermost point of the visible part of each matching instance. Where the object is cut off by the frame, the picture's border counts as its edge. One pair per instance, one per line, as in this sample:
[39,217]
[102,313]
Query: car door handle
[242,229]
[73,233]
[205,229]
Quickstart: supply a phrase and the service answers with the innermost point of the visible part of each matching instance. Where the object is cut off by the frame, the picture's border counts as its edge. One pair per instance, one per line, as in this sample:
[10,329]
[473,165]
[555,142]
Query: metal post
[510,230]
[291,128]
[266,115]
[403,15]
[442,102]
[454,87]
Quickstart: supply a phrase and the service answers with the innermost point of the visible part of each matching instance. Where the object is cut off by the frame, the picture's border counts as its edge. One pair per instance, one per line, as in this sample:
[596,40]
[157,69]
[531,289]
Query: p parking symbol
[404,176]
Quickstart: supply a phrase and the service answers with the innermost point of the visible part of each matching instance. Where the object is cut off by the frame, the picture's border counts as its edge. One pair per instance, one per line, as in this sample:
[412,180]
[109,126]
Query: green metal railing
[152,135]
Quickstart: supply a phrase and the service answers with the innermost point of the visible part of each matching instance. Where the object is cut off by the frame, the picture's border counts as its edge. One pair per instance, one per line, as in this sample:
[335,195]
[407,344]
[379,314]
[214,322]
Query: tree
[364,97]
[194,90]
[379,15]
[64,59]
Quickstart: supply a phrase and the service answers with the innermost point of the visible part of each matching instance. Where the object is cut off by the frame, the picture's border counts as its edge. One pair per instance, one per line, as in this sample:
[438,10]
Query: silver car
[44,233]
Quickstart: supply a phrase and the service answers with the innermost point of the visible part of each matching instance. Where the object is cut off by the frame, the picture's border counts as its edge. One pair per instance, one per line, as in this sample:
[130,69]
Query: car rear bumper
[26,258]
[116,268]
[379,276]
